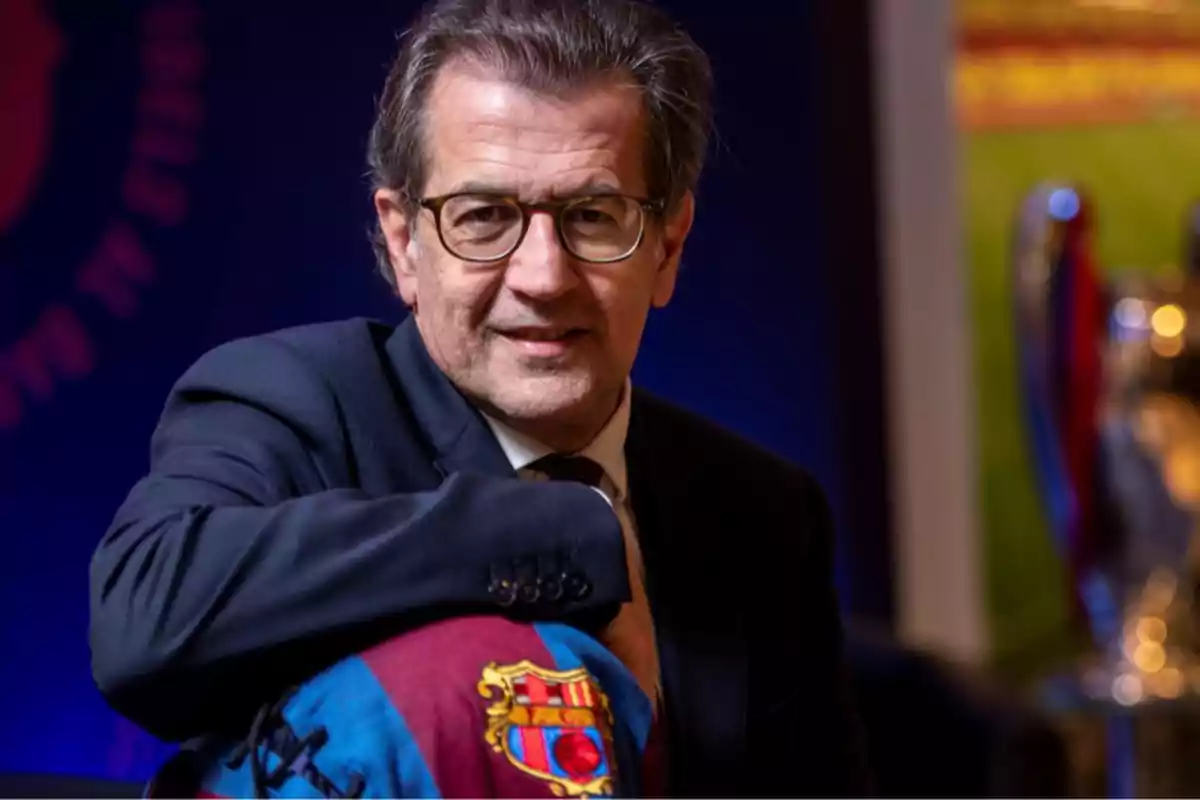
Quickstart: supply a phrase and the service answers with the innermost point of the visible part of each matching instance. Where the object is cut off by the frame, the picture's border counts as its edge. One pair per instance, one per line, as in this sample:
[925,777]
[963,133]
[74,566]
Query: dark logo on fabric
[100,139]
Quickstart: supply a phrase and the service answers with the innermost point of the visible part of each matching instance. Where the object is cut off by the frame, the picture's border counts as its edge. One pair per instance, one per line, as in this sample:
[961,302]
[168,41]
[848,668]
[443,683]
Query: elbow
[125,669]
[117,662]
[120,651]
[129,662]
[145,628]
[144,681]
[138,683]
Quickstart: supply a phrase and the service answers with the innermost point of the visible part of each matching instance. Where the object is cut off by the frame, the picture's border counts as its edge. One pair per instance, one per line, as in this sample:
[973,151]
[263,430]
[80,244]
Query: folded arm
[234,569]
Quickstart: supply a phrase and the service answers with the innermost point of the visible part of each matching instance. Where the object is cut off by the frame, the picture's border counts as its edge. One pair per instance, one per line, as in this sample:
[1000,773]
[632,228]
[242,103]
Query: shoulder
[301,353]
[327,342]
[292,373]
[319,345]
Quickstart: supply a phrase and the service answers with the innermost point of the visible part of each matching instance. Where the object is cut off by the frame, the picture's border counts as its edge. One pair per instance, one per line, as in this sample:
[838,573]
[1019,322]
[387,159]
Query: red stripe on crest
[537,690]
[533,743]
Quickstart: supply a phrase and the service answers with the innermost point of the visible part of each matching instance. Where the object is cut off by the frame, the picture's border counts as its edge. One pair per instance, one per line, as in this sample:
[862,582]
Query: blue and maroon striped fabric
[410,718]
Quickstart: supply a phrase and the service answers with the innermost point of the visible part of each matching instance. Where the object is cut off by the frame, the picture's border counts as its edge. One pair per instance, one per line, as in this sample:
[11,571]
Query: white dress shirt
[631,635]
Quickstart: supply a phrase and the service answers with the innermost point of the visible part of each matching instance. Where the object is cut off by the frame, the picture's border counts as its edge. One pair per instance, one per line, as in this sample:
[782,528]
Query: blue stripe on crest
[515,743]
[594,735]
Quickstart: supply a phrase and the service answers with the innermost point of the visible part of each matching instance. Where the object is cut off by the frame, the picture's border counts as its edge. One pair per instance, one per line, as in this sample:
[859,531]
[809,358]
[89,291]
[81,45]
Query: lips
[542,334]
[543,342]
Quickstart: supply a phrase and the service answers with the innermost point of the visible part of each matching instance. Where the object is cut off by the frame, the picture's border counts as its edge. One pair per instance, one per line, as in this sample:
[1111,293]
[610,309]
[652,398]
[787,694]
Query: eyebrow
[509,190]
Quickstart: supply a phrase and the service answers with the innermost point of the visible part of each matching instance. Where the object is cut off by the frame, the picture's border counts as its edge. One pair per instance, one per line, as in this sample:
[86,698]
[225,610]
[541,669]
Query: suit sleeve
[230,572]
[809,743]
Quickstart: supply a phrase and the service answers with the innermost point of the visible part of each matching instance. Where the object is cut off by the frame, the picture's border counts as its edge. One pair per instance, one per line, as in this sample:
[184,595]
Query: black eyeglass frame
[556,208]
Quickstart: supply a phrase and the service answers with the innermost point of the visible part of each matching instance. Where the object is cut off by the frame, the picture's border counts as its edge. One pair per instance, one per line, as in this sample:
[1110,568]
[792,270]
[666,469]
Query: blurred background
[944,258]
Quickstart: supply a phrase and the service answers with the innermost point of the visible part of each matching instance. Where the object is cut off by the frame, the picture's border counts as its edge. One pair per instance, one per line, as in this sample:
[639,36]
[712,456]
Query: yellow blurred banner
[1029,86]
[1026,63]
[1143,20]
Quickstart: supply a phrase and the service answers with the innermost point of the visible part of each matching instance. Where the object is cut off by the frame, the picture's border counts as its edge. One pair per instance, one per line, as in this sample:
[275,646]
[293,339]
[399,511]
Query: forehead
[483,130]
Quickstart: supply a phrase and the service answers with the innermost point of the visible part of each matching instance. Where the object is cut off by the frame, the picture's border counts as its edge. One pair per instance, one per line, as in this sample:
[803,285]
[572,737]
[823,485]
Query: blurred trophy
[1191,248]
[1110,378]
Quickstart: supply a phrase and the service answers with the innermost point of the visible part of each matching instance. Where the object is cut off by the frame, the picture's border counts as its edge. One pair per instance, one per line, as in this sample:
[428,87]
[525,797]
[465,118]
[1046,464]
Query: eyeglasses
[599,229]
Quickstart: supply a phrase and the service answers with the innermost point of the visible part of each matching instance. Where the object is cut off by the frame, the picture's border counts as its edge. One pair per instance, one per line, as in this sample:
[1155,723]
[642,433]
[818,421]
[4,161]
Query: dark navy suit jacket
[316,490]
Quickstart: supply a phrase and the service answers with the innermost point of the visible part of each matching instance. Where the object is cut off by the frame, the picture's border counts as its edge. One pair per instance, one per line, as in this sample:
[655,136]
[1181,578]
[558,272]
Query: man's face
[540,339]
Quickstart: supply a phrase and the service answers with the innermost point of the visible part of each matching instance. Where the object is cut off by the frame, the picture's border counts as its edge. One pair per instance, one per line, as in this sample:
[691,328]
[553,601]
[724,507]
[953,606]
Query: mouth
[544,342]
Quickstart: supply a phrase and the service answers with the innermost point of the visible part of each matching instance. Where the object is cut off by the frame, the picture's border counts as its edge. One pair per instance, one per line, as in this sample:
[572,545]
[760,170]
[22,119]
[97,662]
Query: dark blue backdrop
[203,179]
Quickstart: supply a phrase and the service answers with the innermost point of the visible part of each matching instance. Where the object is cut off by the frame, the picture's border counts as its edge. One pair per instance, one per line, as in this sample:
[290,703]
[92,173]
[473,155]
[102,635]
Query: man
[316,491]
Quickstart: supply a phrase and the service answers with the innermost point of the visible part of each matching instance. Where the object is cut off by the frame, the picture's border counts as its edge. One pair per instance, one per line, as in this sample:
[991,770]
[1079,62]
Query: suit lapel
[459,437]
[698,617]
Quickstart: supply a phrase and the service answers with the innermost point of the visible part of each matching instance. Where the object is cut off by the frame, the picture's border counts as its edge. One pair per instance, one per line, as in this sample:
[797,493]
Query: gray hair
[548,46]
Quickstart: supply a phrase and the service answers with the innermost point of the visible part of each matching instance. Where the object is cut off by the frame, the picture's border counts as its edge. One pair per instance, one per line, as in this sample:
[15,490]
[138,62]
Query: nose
[541,268]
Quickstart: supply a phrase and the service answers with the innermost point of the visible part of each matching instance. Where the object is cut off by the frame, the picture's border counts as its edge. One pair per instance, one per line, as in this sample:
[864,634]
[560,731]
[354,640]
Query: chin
[555,399]
[545,397]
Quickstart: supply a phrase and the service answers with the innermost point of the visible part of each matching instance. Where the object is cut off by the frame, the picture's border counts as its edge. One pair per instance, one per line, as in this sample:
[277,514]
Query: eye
[589,215]
[485,215]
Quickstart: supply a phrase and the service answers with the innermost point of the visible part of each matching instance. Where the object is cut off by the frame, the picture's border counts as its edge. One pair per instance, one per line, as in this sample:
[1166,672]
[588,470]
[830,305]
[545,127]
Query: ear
[676,228]
[401,247]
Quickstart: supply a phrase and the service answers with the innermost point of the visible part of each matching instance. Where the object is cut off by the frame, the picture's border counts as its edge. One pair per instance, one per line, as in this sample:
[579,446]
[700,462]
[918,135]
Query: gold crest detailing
[541,718]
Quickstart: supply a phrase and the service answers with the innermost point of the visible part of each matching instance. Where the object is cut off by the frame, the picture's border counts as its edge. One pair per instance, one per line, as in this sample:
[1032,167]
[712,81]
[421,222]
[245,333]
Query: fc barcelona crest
[553,725]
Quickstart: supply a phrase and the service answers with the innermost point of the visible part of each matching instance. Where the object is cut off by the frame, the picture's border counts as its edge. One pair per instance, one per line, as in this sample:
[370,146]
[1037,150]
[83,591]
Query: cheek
[627,337]
[455,301]
[626,304]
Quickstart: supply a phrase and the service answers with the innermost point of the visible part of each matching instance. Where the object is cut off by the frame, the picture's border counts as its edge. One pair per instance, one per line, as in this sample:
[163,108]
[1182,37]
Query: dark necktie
[560,467]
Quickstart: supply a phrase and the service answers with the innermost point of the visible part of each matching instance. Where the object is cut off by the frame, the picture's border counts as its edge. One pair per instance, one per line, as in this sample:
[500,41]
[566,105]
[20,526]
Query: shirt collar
[607,449]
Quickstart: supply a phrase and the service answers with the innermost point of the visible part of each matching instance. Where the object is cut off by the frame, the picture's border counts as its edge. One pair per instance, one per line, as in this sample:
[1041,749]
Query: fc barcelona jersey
[468,707]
